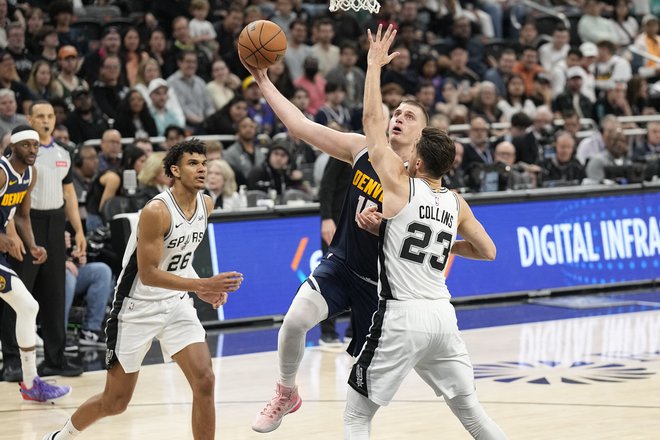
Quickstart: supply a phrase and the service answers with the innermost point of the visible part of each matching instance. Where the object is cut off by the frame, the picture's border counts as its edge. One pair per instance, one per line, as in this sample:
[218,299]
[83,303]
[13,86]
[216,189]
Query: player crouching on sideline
[16,182]
[415,325]
[151,298]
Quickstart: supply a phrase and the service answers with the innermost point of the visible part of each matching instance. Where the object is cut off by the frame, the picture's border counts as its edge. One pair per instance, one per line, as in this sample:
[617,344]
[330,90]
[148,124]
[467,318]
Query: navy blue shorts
[342,291]
[6,272]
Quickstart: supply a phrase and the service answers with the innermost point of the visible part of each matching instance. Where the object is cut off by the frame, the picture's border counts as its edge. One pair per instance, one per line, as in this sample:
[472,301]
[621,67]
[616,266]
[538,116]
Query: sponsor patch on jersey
[61,163]
[3,283]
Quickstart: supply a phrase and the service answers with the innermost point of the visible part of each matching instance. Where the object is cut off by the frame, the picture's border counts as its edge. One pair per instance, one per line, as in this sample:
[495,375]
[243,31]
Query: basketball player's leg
[307,309]
[117,394]
[469,411]
[323,294]
[447,369]
[26,308]
[358,415]
[195,362]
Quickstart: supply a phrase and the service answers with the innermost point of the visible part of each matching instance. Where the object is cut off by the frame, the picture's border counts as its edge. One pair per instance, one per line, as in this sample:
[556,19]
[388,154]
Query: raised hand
[379,46]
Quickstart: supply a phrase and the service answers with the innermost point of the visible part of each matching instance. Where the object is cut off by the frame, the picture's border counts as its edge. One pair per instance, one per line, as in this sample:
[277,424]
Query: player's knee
[114,405]
[469,411]
[31,307]
[204,382]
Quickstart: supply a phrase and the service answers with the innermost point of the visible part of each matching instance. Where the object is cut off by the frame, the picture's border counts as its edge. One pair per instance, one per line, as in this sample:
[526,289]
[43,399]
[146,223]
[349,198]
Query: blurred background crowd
[535,93]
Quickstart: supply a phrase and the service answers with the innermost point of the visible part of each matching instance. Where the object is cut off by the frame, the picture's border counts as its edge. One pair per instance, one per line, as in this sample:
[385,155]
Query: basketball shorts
[6,272]
[421,335]
[343,290]
[132,329]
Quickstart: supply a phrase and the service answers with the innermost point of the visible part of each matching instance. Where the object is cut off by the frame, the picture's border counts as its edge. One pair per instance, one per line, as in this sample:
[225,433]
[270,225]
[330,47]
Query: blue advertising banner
[562,243]
[274,255]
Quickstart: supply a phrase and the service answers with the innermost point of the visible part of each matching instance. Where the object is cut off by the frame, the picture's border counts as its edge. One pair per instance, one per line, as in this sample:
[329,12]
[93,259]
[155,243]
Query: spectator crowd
[532,100]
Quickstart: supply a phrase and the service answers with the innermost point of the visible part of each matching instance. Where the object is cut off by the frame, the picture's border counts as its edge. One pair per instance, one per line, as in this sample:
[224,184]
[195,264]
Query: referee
[53,200]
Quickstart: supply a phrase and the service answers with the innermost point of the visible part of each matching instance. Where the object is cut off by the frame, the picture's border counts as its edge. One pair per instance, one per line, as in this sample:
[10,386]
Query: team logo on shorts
[108,356]
[359,376]
[3,283]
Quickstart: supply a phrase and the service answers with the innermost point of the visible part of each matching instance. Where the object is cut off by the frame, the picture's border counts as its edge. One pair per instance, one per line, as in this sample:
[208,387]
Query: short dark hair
[575,51]
[130,155]
[521,120]
[334,86]
[416,103]
[176,128]
[437,151]
[36,103]
[181,55]
[175,153]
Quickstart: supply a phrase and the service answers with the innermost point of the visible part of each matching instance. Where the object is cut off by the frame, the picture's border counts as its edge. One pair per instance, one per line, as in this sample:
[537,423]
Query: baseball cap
[574,72]
[588,49]
[156,84]
[110,30]
[247,82]
[78,91]
[649,18]
[67,51]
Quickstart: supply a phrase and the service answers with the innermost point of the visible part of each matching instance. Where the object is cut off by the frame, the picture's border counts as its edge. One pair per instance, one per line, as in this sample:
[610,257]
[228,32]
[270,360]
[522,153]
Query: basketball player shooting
[415,325]
[347,276]
[151,298]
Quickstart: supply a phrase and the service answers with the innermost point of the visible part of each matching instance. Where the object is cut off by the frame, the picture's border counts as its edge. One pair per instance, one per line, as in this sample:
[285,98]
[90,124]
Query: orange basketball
[261,44]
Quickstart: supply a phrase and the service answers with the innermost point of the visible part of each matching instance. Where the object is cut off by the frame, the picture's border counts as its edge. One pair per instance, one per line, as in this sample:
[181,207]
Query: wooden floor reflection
[587,378]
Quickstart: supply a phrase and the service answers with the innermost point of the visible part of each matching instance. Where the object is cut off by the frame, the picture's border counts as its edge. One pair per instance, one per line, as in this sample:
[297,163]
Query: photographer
[504,173]
[563,167]
[274,172]
[537,144]
[94,282]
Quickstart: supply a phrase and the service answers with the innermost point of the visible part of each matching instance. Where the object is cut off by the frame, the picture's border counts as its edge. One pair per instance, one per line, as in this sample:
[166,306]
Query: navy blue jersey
[13,192]
[357,248]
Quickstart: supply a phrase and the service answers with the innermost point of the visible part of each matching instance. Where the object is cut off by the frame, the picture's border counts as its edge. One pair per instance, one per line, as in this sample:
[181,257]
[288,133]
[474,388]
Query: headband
[24,135]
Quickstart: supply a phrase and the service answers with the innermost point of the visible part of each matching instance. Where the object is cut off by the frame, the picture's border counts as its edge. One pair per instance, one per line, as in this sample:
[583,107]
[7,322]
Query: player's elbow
[148,277]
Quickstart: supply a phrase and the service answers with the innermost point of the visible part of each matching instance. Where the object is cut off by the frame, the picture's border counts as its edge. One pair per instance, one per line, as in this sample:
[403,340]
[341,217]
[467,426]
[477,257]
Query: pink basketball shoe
[286,401]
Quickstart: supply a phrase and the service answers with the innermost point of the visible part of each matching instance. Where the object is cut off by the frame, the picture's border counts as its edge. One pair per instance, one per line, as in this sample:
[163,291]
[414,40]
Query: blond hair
[227,173]
[53,86]
[152,168]
[139,78]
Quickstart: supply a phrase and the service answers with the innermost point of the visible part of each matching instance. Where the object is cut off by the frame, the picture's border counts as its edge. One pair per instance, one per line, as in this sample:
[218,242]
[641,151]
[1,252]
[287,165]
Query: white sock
[29,366]
[68,432]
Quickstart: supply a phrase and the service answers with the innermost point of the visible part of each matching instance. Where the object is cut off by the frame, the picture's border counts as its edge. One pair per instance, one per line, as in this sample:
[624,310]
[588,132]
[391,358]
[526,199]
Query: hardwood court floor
[585,378]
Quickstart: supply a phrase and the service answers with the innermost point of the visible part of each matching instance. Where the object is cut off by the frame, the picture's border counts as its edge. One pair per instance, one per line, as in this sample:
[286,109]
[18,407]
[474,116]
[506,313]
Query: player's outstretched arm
[343,146]
[476,243]
[387,164]
[153,226]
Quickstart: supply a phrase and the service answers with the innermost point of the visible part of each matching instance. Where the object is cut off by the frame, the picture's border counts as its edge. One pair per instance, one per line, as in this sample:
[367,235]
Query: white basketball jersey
[415,245]
[178,251]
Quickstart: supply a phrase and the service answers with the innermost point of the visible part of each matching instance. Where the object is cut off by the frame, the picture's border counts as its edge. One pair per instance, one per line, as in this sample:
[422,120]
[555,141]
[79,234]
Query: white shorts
[405,335]
[131,331]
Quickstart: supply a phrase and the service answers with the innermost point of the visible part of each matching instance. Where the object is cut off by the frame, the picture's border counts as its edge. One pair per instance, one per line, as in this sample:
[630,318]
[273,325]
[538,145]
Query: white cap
[575,71]
[156,84]
[588,49]
[648,18]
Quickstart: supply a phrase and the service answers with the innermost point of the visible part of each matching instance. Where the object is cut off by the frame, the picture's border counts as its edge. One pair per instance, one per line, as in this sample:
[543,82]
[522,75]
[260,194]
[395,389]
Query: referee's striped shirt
[53,169]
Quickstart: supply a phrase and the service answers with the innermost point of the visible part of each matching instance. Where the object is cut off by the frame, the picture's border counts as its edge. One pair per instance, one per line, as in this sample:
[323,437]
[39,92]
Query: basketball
[261,44]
